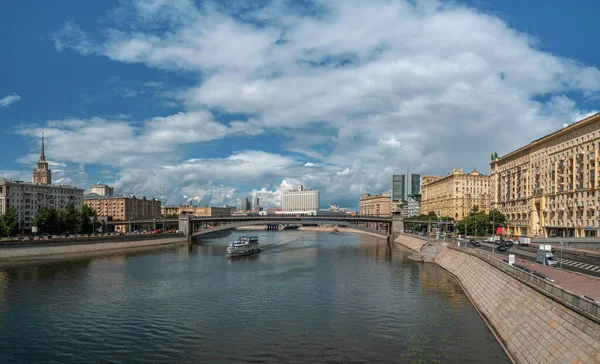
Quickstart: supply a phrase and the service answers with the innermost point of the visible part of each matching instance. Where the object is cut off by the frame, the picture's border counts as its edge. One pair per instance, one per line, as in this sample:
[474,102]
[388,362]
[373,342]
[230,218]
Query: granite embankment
[411,242]
[60,248]
[532,326]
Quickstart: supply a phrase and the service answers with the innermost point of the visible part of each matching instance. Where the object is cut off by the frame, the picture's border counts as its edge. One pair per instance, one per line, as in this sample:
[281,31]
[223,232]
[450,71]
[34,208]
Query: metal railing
[586,307]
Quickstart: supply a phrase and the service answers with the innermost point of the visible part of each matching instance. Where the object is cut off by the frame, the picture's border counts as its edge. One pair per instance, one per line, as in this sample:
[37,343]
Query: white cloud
[7,100]
[362,88]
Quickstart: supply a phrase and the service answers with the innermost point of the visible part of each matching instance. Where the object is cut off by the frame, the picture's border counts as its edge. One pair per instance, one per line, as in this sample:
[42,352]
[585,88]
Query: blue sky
[212,101]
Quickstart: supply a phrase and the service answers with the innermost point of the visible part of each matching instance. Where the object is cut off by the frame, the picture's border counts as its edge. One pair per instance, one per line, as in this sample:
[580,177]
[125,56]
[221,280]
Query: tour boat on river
[245,245]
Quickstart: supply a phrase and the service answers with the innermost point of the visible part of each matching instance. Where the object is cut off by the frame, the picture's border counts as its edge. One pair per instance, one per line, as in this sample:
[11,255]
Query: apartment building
[29,198]
[102,190]
[124,208]
[456,194]
[376,205]
[550,186]
[205,211]
[169,210]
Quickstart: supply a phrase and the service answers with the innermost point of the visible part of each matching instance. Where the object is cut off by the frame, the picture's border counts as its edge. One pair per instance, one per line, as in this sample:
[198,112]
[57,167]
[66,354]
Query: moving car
[474,242]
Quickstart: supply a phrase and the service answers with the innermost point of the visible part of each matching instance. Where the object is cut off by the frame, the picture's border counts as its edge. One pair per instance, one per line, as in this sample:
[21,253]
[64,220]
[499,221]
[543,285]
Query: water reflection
[308,297]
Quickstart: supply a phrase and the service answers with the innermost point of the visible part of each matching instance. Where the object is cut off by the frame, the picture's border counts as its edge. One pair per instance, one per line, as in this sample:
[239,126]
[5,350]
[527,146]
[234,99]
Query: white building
[300,200]
[28,199]
[102,190]
[413,206]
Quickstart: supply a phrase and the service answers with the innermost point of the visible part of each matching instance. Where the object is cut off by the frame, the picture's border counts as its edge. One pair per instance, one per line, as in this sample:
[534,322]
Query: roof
[550,136]
[8,181]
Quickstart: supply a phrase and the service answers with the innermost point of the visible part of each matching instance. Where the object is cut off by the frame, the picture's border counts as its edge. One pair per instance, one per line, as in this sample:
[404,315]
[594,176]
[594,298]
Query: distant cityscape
[547,188]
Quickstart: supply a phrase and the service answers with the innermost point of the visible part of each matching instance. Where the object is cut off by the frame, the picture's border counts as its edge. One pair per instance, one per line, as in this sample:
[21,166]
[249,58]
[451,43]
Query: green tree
[70,219]
[496,219]
[8,222]
[47,220]
[87,216]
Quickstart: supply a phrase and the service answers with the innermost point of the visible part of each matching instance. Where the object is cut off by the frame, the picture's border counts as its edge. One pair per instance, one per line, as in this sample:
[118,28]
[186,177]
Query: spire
[42,156]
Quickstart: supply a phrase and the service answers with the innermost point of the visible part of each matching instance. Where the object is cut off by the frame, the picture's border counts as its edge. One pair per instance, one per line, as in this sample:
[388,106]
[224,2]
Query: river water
[308,297]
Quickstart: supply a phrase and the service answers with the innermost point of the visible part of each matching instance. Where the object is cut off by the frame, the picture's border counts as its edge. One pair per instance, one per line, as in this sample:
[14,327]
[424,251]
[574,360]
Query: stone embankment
[532,326]
[19,253]
[412,242]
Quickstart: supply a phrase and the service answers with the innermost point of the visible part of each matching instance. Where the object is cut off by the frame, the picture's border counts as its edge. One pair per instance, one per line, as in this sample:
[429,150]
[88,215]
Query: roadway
[570,261]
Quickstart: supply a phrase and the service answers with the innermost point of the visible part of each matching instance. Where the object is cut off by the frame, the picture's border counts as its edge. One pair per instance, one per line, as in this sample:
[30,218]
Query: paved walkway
[577,283]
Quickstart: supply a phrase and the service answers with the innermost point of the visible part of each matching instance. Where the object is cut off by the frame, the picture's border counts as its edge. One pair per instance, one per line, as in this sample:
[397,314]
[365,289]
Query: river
[308,297]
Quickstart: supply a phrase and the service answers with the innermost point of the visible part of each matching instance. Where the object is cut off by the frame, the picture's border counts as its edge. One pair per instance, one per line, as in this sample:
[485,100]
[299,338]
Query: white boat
[245,245]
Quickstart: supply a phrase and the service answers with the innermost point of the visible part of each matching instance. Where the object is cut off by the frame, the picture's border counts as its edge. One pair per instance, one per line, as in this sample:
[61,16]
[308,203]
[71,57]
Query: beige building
[377,205]
[102,190]
[456,194]
[41,173]
[205,211]
[124,208]
[29,198]
[169,210]
[550,186]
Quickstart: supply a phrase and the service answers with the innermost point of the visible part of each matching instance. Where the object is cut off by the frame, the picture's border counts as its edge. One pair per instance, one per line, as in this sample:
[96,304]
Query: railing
[586,307]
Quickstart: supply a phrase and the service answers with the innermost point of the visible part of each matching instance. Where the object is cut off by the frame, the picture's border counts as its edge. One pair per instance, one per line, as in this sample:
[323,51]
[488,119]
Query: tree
[70,219]
[8,222]
[47,220]
[87,215]
[496,219]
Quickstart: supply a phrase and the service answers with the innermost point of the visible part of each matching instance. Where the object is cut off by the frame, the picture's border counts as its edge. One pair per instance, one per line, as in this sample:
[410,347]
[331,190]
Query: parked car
[474,242]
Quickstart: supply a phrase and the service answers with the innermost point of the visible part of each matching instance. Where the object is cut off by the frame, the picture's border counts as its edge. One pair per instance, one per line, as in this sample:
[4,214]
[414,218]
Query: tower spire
[42,156]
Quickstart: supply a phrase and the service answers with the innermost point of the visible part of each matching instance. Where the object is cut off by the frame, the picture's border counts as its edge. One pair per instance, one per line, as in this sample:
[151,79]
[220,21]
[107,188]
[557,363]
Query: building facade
[29,198]
[415,184]
[41,173]
[550,186]
[413,205]
[124,208]
[205,211]
[169,210]
[245,204]
[102,190]
[456,194]
[255,203]
[399,187]
[377,205]
[300,200]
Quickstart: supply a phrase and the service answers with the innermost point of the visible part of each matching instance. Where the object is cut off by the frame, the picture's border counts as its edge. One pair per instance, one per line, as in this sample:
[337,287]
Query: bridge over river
[194,226]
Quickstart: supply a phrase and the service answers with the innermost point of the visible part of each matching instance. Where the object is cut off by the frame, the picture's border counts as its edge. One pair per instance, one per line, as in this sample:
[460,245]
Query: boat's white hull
[241,253]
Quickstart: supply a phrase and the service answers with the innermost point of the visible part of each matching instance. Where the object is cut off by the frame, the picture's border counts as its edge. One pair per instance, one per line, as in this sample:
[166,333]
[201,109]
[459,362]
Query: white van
[545,255]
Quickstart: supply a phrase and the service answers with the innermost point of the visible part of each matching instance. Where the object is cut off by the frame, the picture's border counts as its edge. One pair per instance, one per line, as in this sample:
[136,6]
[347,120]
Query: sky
[206,102]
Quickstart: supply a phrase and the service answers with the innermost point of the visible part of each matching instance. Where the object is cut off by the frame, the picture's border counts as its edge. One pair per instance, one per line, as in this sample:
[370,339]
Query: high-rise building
[378,205]
[245,204]
[41,174]
[102,190]
[415,184]
[29,198]
[550,187]
[300,200]
[255,204]
[456,194]
[399,187]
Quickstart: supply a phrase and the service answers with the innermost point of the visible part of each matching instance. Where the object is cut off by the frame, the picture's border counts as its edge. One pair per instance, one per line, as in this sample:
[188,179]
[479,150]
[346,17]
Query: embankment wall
[14,253]
[532,326]
[412,242]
